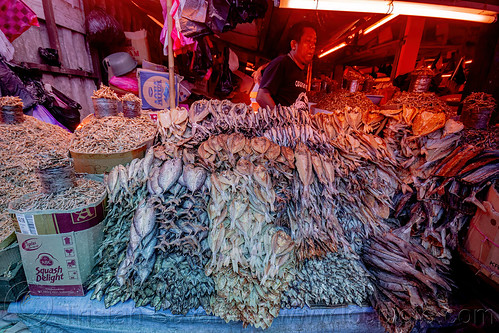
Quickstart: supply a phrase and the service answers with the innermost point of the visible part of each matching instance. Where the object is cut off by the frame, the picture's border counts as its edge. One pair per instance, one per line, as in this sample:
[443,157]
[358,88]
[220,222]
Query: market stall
[345,211]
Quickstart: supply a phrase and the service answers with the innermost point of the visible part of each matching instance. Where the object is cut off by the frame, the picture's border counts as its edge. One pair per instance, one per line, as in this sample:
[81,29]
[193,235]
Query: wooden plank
[48,10]
[62,71]
[65,14]
[70,49]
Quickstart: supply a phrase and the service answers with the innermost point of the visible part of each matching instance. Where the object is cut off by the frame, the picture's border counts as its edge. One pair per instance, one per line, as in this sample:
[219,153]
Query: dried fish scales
[20,145]
[112,134]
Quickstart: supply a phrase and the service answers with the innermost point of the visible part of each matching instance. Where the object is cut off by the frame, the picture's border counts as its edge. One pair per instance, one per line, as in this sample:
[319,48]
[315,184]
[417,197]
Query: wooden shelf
[63,71]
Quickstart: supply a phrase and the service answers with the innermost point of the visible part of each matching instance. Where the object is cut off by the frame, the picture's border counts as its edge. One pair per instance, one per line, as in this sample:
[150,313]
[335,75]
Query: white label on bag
[27,224]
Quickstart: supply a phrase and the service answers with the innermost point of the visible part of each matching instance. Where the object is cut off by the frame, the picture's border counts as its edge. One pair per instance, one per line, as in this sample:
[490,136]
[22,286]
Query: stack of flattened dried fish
[112,134]
[126,188]
[410,284]
[345,106]
[156,246]
[334,279]
[20,147]
[354,155]
[252,260]
[451,198]
[178,281]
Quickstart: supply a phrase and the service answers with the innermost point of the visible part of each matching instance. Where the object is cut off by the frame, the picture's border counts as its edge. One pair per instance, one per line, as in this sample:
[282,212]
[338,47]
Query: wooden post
[309,76]
[405,58]
[171,72]
[48,10]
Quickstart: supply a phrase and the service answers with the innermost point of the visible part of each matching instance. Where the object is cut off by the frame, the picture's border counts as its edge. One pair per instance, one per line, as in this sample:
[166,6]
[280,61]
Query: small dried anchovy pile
[353,75]
[343,99]
[423,101]
[112,134]
[130,98]
[20,147]
[11,101]
[479,100]
[85,193]
[487,139]
[105,92]
[422,71]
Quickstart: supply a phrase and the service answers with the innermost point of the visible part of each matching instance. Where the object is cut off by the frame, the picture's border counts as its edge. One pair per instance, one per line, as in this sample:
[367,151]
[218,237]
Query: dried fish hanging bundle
[252,260]
[410,284]
[126,187]
[335,279]
[20,146]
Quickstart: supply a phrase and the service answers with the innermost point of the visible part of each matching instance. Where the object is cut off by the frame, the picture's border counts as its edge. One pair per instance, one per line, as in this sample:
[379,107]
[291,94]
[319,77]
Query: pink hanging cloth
[15,18]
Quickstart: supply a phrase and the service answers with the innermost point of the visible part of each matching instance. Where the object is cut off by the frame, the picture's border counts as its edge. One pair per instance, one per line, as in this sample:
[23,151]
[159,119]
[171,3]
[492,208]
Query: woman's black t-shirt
[284,80]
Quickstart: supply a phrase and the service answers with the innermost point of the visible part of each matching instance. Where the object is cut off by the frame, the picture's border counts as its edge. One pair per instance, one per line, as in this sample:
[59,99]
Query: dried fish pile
[85,193]
[422,101]
[252,260]
[351,109]
[348,156]
[410,284]
[451,198]
[421,138]
[487,139]
[479,100]
[340,100]
[156,245]
[126,188]
[181,193]
[284,187]
[113,134]
[105,92]
[20,145]
[11,101]
[335,279]
[130,98]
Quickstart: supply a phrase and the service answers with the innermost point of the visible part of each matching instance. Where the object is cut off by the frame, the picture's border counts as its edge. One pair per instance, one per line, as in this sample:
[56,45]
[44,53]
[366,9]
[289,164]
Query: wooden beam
[62,71]
[405,59]
[94,54]
[51,27]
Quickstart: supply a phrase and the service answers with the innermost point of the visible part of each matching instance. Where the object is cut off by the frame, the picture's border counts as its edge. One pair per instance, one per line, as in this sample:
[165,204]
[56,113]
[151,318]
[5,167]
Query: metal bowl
[120,63]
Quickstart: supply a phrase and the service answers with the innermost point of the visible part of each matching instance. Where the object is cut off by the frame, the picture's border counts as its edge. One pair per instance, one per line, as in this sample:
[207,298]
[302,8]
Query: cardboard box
[153,89]
[57,221]
[59,264]
[483,235]
[138,45]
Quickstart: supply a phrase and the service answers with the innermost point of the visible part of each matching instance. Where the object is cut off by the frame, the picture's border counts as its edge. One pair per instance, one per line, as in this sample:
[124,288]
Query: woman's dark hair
[297,31]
